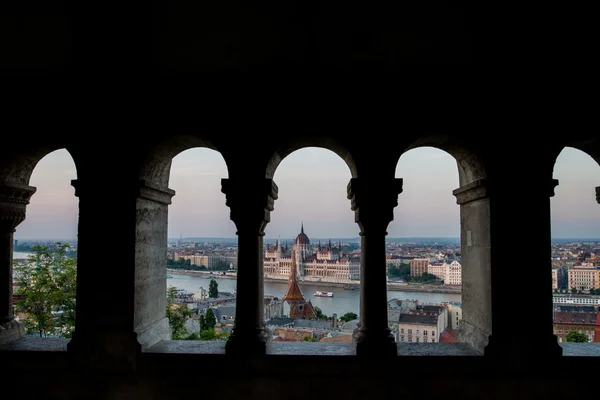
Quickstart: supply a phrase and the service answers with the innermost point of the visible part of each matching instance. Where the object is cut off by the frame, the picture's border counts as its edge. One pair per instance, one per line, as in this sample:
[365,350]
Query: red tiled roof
[580,318]
[448,336]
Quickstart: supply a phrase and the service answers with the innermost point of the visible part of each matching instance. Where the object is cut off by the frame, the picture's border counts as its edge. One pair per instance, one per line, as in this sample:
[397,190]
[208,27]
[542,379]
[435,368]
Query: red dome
[302,238]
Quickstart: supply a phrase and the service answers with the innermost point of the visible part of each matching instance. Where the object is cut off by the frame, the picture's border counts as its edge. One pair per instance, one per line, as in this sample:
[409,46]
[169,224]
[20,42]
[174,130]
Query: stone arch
[156,166]
[15,195]
[473,197]
[153,198]
[18,168]
[469,162]
[327,143]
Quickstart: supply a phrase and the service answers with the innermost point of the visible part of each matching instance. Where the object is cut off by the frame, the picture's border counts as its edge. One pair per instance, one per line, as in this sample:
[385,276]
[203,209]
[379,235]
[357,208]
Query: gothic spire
[302,227]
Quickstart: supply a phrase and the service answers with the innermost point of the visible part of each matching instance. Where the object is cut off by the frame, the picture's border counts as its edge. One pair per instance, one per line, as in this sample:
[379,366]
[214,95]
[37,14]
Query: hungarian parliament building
[325,263]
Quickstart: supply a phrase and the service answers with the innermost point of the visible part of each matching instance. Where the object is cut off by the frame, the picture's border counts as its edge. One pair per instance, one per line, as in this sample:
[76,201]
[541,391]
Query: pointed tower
[299,307]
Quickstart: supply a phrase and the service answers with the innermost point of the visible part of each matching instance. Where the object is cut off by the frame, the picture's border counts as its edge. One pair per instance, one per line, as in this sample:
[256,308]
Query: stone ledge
[580,349]
[436,349]
[187,347]
[312,349]
[29,343]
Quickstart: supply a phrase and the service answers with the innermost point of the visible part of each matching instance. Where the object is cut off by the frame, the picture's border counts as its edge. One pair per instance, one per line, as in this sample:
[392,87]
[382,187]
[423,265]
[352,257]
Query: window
[410,331]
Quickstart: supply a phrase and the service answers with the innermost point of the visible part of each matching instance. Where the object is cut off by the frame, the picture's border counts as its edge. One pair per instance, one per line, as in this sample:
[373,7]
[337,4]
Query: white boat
[318,293]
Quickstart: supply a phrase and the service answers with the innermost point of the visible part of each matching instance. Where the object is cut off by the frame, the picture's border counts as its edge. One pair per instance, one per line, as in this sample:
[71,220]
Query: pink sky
[312,189]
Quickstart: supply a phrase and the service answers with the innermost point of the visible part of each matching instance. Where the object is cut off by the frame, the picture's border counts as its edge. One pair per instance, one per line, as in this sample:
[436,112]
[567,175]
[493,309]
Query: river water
[343,300]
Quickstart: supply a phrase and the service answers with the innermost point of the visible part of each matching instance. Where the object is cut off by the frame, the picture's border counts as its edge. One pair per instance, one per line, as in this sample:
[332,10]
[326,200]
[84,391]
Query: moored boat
[318,293]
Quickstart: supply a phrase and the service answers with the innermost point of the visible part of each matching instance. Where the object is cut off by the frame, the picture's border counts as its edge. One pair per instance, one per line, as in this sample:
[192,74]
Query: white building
[326,263]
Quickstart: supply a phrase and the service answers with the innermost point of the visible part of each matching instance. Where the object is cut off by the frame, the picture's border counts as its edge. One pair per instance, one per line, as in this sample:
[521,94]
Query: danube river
[343,300]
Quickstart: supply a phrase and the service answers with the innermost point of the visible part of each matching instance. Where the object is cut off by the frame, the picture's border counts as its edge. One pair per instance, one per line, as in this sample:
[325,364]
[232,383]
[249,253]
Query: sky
[312,191]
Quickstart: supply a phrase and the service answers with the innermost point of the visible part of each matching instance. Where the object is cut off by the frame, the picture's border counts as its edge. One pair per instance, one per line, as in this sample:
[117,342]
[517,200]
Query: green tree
[309,339]
[319,313]
[47,291]
[177,315]
[213,289]
[349,316]
[209,320]
[576,336]
[208,334]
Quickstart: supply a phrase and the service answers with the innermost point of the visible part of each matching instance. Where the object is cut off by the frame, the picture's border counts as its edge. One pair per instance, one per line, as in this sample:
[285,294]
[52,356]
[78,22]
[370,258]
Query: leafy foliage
[47,291]
[576,336]
[177,315]
[349,316]
[213,289]
[319,313]
[400,271]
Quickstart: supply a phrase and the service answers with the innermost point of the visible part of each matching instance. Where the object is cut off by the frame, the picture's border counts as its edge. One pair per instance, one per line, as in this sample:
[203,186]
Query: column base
[372,345]
[473,336]
[105,349]
[154,333]
[529,351]
[254,343]
[10,331]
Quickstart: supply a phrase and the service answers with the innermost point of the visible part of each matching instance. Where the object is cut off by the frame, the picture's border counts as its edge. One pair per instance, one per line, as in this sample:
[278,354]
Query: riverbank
[391,286]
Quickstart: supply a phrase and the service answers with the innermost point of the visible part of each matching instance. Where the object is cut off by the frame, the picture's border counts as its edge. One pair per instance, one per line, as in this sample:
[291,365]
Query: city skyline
[312,190]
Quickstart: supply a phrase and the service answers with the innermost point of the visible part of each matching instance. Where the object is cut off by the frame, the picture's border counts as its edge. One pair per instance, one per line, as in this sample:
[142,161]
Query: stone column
[149,321]
[521,275]
[476,324]
[13,201]
[373,205]
[251,204]
[104,336]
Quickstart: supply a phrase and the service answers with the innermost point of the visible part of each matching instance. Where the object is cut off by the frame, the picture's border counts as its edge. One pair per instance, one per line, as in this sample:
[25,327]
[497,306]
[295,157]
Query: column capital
[598,194]
[14,198]
[373,202]
[476,190]
[250,202]
[551,185]
[153,192]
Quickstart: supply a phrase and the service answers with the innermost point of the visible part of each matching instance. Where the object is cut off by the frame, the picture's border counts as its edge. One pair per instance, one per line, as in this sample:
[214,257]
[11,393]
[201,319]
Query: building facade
[325,263]
[584,277]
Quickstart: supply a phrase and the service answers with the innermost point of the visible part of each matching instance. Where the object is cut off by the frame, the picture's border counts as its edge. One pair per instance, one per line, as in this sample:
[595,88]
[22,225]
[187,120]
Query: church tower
[299,307]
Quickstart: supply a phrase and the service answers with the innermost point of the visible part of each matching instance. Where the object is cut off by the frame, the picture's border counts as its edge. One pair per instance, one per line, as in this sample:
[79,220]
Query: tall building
[325,263]
[418,266]
[299,306]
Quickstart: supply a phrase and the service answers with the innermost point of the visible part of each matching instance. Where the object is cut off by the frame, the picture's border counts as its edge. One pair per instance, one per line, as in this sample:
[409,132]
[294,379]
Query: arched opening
[575,228]
[311,252]
[438,252]
[202,249]
[184,240]
[423,250]
[45,251]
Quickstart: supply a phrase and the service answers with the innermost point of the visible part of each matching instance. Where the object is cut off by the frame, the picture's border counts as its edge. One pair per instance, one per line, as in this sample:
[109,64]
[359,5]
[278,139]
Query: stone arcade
[124,87]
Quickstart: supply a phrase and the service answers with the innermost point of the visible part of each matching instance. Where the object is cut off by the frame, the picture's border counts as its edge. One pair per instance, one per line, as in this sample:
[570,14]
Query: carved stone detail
[250,209]
[153,192]
[476,190]
[551,185]
[16,193]
[13,201]
[373,203]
